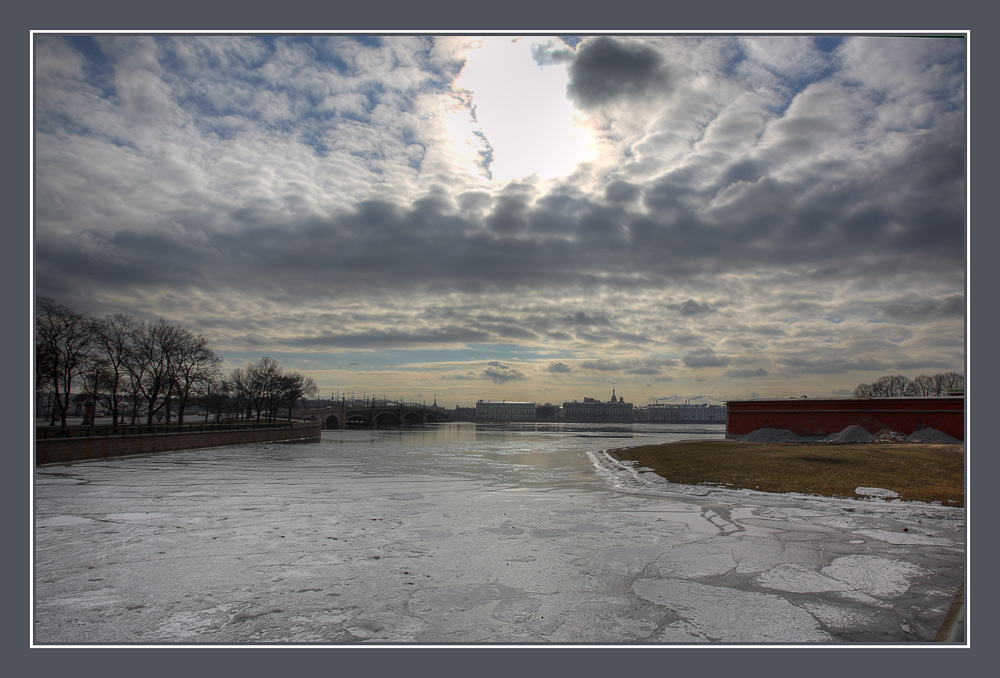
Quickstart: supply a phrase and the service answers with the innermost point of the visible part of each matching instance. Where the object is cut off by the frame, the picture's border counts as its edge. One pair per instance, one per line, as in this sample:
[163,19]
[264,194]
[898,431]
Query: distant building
[464,413]
[548,412]
[592,411]
[504,410]
[44,404]
[681,414]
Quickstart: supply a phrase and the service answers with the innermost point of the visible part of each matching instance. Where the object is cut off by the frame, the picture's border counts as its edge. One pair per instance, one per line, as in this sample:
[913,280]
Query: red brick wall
[818,417]
[77,449]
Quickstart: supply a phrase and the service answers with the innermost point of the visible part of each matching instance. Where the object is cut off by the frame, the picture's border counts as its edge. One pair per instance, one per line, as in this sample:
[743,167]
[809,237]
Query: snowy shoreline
[627,476]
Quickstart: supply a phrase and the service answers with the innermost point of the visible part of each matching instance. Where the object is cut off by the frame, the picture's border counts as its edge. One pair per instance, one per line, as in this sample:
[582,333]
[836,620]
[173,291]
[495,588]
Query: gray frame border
[185,15]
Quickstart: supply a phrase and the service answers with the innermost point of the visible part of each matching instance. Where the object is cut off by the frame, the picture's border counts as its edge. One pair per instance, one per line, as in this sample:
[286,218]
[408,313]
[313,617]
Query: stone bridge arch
[392,414]
[358,420]
[386,419]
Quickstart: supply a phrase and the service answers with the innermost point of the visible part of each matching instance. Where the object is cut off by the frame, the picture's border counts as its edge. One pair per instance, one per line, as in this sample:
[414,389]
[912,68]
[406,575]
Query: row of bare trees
[154,370]
[893,386]
[264,388]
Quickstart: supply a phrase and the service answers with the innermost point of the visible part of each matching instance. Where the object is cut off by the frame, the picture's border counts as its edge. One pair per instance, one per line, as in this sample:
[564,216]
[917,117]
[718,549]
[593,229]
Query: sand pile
[932,435]
[851,434]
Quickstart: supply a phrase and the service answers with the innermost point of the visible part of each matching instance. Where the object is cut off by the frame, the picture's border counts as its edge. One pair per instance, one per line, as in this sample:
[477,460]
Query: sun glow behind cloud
[522,110]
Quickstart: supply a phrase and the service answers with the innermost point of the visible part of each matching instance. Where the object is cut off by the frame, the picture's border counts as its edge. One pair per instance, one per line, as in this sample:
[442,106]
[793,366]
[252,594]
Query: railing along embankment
[79,443]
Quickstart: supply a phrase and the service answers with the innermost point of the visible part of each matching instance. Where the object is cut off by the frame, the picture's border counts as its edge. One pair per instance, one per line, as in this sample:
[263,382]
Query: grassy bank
[918,472]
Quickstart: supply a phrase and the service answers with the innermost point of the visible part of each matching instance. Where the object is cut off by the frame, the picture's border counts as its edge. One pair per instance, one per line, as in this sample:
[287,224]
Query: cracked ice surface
[471,534]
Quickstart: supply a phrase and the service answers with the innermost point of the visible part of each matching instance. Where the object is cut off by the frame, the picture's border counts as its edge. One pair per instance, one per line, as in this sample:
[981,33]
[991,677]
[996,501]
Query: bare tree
[294,386]
[922,385]
[121,362]
[156,355]
[264,385]
[193,365]
[216,395]
[63,343]
[251,385]
[864,391]
[890,386]
[239,385]
[113,351]
[947,381]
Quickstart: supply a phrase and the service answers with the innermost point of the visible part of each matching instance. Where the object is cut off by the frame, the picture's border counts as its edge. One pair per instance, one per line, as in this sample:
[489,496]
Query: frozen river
[471,534]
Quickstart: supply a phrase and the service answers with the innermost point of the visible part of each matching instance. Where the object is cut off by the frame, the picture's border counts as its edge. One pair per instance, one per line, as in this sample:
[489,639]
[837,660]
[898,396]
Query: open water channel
[468,533]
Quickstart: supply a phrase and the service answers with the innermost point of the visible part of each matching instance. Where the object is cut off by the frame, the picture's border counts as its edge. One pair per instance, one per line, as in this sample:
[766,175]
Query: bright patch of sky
[527,121]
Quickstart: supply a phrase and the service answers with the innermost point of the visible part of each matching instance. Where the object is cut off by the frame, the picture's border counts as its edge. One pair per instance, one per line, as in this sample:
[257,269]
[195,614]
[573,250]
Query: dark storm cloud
[122,258]
[622,192]
[922,310]
[517,244]
[465,376]
[510,214]
[692,307]
[920,366]
[832,365]
[581,319]
[748,171]
[507,332]
[744,374]
[606,69]
[618,339]
[705,358]
[390,338]
[645,366]
[500,373]
[602,365]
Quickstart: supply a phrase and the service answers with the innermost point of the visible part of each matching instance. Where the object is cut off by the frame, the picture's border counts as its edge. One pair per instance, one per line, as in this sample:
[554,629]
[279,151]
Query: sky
[680,218]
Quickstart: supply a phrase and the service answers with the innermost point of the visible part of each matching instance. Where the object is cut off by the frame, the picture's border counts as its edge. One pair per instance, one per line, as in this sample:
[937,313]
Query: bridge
[374,413]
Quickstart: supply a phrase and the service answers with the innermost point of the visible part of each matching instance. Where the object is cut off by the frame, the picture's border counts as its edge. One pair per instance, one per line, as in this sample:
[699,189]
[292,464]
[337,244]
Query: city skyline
[680,218]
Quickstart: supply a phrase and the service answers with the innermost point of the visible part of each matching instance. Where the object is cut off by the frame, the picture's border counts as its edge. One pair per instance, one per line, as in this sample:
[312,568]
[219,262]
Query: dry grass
[918,472]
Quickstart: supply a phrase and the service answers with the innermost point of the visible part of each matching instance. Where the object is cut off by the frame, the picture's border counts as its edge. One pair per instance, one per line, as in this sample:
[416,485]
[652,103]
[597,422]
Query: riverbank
[914,472]
[86,443]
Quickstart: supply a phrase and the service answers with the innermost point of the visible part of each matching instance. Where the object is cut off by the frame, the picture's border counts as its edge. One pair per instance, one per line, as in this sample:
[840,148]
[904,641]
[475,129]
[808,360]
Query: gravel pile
[851,434]
[771,435]
[932,435]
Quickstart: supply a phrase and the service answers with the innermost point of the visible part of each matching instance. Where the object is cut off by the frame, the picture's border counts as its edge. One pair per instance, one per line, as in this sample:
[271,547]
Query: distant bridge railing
[374,412]
[381,402]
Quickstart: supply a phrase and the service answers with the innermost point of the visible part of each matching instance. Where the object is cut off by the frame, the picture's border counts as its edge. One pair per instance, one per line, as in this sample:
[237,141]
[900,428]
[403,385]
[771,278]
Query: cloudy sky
[695,217]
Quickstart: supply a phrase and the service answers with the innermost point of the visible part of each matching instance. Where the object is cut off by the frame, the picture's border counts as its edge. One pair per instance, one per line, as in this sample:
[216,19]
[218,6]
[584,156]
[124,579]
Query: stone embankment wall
[62,450]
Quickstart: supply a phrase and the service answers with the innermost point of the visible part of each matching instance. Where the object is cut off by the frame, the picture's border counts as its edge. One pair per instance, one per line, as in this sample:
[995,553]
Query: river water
[466,534]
